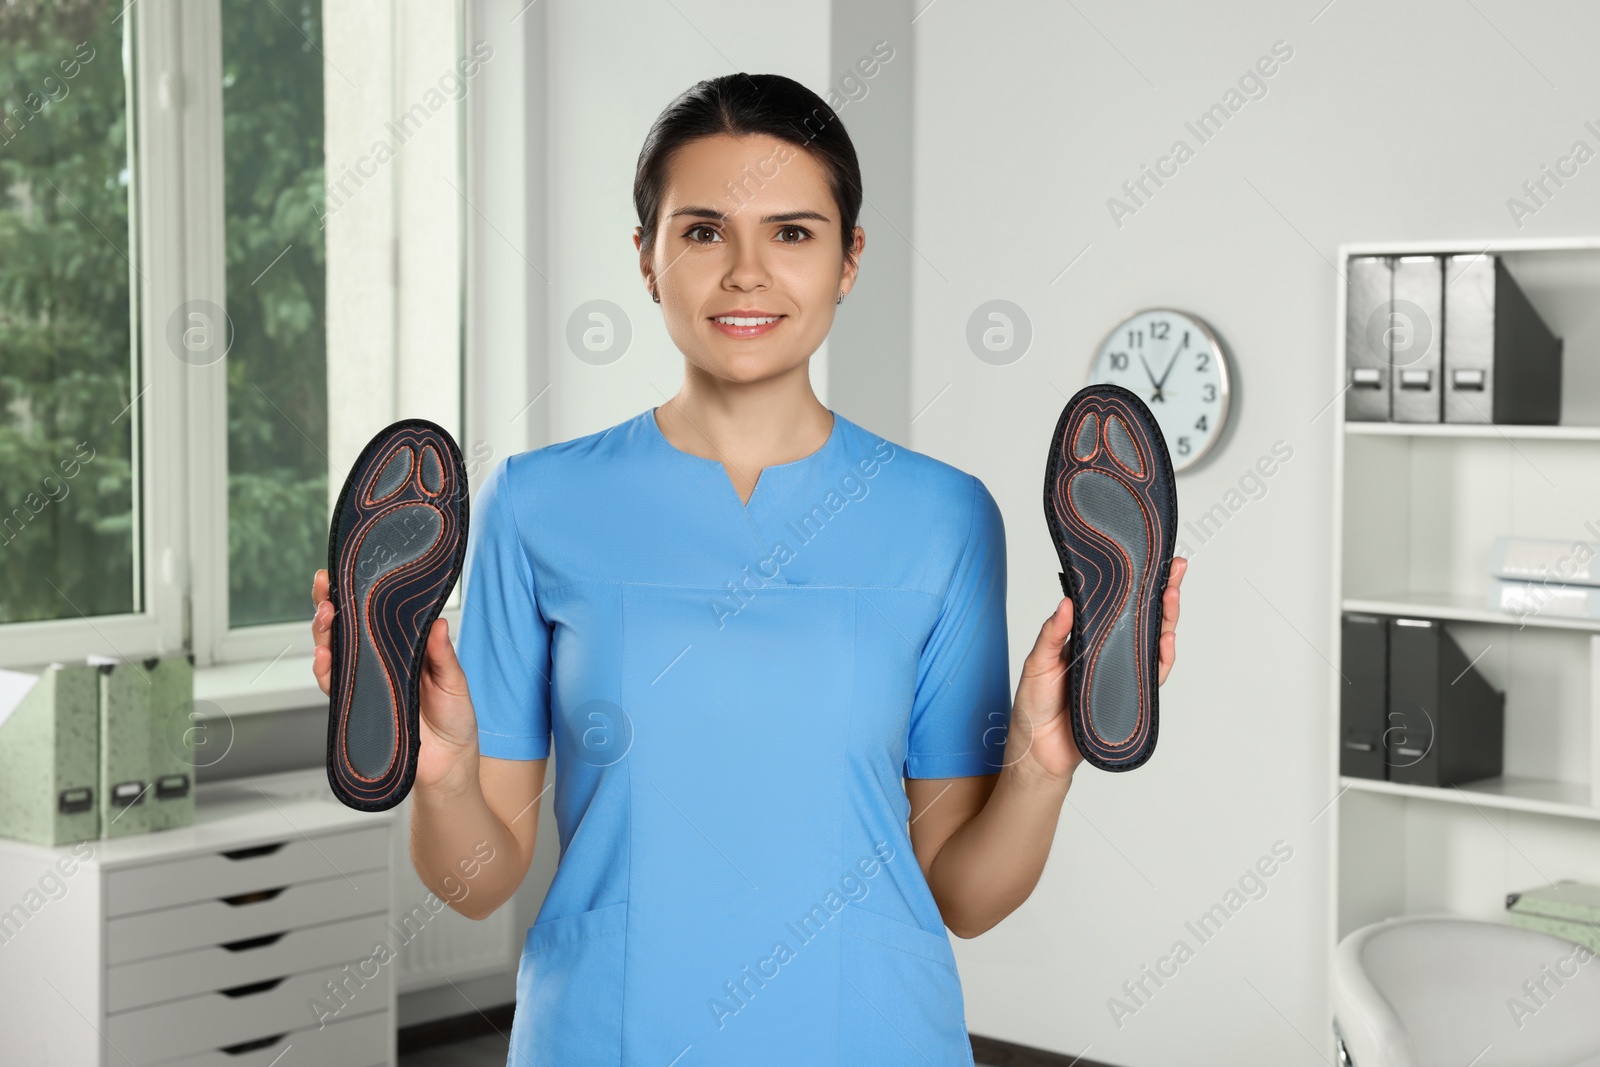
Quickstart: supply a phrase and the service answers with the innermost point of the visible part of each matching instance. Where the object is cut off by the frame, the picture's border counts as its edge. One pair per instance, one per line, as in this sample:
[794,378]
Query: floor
[488,1051]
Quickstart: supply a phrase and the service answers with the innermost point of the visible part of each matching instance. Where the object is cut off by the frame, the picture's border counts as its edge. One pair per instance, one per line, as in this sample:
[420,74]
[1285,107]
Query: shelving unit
[1459,607]
[1461,429]
[1512,794]
[1416,508]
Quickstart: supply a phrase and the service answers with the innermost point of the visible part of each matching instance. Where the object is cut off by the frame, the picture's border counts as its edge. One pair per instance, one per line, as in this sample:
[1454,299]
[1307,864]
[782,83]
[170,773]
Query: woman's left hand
[1039,742]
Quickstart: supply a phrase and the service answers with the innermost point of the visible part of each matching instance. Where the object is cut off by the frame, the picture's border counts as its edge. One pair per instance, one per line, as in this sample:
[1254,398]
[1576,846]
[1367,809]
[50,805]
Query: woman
[764,640]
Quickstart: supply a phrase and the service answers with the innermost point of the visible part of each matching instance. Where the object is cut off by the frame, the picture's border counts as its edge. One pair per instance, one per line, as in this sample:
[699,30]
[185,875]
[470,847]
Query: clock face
[1175,364]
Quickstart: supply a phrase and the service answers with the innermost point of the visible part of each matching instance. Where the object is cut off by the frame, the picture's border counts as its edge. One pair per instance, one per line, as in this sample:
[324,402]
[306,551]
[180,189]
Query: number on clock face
[1174,363]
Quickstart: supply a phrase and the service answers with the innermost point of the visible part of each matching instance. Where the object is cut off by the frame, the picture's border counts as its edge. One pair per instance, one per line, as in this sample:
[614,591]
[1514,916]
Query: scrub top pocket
[569,991]
[899,985]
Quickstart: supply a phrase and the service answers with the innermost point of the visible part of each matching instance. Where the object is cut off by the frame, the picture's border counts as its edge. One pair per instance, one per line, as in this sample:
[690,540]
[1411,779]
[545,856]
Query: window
[277,298]
[168,452]
[68,531]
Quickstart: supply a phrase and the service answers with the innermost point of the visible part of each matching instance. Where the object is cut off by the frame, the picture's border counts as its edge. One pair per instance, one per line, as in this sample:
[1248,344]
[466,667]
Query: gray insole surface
[1110,507]
[391,542]
[393,474]
[432,476]
[1083,447]
[1122,445]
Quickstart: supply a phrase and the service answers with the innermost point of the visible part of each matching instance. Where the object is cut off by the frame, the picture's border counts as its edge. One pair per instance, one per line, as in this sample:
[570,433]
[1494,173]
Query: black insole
[395,550]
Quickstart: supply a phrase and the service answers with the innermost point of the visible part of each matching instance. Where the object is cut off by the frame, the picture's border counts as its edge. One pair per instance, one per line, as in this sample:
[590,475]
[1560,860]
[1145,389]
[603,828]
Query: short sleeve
[962,707]
[504,640]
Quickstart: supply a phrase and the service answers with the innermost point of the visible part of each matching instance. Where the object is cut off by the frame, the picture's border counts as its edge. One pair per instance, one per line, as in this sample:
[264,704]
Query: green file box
[49,759]
[146,746]
[172,757]
[125,731]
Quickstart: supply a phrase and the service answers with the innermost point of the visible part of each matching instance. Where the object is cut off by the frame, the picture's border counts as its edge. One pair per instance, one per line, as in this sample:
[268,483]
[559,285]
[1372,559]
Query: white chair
[1440,991]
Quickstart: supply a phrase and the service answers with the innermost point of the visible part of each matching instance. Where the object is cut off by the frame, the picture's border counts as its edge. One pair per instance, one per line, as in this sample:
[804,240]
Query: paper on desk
[14,685]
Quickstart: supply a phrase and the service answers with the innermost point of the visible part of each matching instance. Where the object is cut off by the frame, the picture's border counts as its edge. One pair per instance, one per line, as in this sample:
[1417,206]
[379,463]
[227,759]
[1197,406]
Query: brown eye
[696,229]
[795,229]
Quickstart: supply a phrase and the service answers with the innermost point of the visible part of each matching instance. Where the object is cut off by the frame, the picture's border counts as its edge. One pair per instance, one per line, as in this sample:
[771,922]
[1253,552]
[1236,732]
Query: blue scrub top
[735,693]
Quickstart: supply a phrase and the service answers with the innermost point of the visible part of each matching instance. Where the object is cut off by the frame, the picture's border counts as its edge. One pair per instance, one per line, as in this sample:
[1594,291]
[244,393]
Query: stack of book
[1536,577]
[1531,576]
[1565,909]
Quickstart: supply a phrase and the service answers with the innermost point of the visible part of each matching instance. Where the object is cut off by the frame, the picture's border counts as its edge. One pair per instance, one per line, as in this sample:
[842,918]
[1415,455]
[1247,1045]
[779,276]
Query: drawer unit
[268,911]
[230,872]
[238,963]
[227,1018]
[339,1044]
[260,936]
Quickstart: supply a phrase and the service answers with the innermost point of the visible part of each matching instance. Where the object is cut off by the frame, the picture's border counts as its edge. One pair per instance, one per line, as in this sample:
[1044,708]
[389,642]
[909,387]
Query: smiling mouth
[746,321]
[746,327]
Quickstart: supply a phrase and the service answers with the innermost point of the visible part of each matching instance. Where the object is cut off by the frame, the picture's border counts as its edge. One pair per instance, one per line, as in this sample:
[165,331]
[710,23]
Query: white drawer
[213,1021]
[345,1043]
[182,974]
[229,872]
[215,922]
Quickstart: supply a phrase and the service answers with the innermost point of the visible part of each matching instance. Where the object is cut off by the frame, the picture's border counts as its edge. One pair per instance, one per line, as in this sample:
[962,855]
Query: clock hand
[1157,394]
[1170,364]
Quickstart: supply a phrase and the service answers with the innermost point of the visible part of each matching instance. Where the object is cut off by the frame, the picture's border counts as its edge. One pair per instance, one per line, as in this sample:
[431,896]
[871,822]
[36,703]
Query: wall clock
[1176,365]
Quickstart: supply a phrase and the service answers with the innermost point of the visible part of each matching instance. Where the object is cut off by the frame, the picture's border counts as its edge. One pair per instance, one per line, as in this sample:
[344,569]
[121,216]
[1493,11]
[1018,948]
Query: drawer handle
[250,1046]
[253,987]
[253,942]
[253,898]
[252,853]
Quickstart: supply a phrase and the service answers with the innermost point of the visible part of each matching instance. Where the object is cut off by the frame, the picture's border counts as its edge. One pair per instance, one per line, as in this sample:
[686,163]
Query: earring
[655,296]
[841,297]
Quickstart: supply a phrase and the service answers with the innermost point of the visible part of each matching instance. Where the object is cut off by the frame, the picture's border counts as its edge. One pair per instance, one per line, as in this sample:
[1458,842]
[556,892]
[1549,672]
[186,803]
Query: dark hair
[740,104]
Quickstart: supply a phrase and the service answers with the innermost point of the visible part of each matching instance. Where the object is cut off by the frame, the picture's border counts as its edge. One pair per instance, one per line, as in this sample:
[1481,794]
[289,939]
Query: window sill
[255,687]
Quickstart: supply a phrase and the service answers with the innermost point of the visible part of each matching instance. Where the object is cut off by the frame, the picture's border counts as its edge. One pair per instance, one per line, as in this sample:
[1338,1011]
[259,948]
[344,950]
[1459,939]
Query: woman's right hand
[448,756]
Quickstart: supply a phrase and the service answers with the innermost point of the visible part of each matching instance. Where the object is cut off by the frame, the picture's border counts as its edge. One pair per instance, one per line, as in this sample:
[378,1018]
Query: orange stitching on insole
[385,784]
[421,563]
[350,553]
[1140,588]
[1091,658]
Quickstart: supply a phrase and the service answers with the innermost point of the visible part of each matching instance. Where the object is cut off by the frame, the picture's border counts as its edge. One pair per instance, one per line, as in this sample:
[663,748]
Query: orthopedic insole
[395,549]
[1112,507]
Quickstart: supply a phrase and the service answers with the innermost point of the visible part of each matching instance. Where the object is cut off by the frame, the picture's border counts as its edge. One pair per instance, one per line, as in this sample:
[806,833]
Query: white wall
[613,67]
[1389,122]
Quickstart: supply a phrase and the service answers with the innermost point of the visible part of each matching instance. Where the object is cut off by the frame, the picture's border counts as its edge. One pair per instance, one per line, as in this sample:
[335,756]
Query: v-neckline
[761,477]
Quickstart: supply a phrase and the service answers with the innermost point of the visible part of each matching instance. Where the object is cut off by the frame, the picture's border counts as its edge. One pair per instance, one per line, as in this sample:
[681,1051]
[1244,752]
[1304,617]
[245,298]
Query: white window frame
[387,324]
[151,44]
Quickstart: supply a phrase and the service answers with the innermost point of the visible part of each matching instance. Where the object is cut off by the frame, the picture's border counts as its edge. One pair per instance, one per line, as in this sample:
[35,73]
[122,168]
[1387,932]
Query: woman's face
[748,228]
